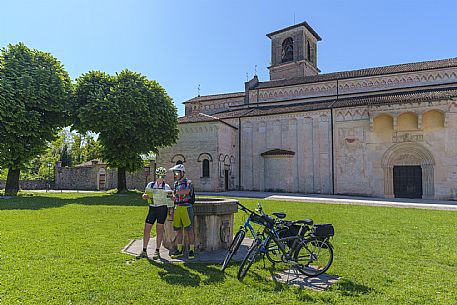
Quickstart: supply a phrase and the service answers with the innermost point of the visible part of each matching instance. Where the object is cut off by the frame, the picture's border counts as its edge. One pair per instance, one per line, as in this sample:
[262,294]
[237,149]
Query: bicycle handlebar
[243,208]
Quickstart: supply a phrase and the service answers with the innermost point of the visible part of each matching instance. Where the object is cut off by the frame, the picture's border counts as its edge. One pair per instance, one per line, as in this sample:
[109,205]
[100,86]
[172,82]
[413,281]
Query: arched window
[287,50]
[205,168]
[178,159]
[308,49]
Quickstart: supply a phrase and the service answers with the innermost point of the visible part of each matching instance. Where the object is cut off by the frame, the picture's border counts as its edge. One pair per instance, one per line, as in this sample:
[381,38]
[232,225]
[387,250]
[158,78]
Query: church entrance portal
[407,181]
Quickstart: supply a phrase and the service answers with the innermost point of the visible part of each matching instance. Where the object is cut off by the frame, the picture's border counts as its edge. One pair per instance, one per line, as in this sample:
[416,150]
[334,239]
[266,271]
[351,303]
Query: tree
[91,149]
[132,115]
[34,91]
[85,147]
[65,156]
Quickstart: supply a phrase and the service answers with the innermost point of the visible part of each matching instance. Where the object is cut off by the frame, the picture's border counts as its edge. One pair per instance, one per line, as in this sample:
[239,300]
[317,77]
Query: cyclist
[156,194]
[184,213]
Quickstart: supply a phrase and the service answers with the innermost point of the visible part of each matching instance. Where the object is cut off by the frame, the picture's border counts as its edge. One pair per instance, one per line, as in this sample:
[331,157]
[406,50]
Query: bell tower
[294,52]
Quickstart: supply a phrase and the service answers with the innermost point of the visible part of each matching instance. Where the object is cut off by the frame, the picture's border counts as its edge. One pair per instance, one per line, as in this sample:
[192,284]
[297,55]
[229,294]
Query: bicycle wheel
[236,242]
[249,259]
[273,253]
[314,257]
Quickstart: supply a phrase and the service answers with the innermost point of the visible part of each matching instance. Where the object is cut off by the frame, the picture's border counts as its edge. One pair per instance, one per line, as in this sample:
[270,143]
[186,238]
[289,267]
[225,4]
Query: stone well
[213,224]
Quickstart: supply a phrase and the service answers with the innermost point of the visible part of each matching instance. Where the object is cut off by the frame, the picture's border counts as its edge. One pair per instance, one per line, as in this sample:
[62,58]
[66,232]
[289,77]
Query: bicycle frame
[248,226]
[247,223]
[280,242]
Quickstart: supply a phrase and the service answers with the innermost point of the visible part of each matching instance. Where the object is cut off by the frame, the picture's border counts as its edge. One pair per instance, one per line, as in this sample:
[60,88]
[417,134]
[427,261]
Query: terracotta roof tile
[216,97]
[305,24]
[380,99]
[410,67]
[400,97]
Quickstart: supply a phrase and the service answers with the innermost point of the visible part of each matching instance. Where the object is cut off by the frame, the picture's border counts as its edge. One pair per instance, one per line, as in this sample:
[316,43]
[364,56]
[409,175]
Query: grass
[65,249]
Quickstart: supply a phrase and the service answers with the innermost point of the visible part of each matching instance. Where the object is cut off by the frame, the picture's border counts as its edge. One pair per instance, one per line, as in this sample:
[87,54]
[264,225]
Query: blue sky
[215,43]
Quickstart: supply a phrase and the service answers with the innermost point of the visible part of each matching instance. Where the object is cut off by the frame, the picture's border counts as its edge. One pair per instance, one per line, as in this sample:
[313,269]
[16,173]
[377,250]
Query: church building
[384,132]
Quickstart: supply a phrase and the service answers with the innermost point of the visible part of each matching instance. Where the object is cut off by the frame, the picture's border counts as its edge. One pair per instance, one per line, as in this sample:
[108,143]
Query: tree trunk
[12,182]
[121,180]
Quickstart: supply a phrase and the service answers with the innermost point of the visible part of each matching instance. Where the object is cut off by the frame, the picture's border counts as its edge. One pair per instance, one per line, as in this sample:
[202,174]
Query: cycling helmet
[161,172]
[178,168]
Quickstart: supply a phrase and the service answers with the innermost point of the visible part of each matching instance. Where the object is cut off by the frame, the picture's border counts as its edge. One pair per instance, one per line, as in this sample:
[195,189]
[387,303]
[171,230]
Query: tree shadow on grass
[213,274]
[179,274]
[349,288]
[38,201]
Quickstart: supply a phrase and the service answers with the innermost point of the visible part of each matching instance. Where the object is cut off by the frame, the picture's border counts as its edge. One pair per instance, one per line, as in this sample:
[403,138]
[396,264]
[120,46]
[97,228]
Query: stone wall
[76,178]
[227,155]
[305,134]
[28,184]
[136,180]
[196,142]
[370,141]
[88,178]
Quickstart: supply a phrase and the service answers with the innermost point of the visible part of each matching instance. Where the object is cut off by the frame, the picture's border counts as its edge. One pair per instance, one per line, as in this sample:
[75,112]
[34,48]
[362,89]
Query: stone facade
[385,131]
[215,142]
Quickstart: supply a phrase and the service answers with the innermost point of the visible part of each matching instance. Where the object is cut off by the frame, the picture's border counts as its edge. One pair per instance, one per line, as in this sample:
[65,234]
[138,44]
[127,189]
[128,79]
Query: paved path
[288,276]
[336,199]
[135,248]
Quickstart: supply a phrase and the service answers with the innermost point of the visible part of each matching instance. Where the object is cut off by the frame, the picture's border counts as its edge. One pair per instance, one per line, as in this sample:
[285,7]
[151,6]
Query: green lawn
[65,249]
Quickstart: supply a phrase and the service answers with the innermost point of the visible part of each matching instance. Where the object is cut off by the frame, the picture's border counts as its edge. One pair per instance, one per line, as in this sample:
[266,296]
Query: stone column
[388,182]
[428,187]
[419,120]
[262,147]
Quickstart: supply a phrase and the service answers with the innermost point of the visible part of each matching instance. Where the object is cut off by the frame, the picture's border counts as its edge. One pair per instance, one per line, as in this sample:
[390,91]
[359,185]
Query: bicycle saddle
[280,215]
[304,222]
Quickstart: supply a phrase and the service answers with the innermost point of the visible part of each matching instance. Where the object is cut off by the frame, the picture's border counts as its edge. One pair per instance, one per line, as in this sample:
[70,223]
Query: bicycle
[240,235]
[308,250]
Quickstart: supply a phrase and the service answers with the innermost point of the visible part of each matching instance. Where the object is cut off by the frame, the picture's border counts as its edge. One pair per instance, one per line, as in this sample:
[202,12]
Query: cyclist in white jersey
[158,194]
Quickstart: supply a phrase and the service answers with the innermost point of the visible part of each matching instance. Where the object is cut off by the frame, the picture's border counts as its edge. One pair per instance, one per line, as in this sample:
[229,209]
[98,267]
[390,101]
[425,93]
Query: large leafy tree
[132,115]
[34,91]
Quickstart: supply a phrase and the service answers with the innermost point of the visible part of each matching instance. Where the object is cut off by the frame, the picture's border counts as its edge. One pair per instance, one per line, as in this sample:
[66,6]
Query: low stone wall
[88,178]
[136,180]
[76,178]
[28,184]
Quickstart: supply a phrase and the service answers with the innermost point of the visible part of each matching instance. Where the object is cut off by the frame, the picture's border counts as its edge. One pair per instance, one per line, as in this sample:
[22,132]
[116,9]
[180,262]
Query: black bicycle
[300,244]
[260,219]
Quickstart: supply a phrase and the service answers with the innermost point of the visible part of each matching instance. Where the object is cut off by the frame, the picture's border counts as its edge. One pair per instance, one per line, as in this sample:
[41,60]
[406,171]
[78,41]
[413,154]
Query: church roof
[384,70]
[305,24]
[409,67]
[214,97]
[378,99]
[202,117]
